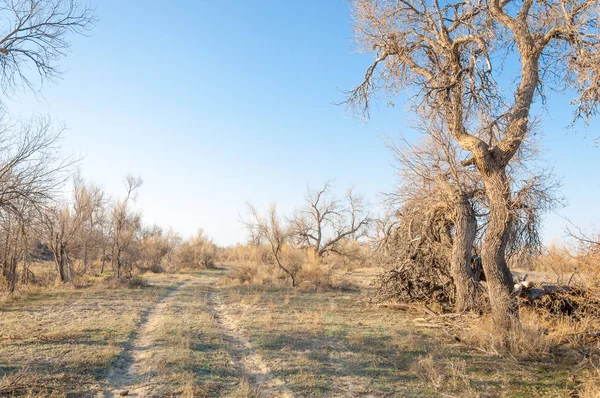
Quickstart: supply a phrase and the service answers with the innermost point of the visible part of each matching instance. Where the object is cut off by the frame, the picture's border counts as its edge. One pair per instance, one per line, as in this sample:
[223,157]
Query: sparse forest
[445,287]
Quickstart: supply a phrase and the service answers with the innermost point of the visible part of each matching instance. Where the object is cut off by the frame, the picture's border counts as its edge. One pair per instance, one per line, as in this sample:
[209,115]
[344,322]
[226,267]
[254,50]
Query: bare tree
[436,202]
[589,240]
[276,234]
[125,225]
[67,227]
[91,203]
[31,171]
[451,55]
[35,35]
[325,221]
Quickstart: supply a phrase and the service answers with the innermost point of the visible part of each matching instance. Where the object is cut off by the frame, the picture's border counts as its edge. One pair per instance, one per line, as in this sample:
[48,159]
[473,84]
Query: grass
[189,356]
[62,342]
[336,344]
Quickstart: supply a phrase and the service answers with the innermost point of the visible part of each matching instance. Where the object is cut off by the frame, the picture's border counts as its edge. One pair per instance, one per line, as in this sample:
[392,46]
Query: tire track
[244,355]
[125,377]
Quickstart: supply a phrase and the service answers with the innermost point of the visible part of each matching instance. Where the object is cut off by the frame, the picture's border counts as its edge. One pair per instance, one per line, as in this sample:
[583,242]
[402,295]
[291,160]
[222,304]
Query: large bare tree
[31,173]
[438,203]
[451,55]
[34,34]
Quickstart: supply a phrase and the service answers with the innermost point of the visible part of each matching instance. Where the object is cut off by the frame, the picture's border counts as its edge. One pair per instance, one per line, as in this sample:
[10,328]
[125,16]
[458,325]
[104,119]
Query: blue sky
[216,103]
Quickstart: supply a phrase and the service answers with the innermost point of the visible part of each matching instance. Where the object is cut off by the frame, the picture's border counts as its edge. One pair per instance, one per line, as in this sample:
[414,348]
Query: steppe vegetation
[450,293]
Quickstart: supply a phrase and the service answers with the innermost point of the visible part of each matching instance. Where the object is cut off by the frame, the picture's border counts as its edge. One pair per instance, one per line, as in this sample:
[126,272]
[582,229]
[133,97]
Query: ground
[194,335]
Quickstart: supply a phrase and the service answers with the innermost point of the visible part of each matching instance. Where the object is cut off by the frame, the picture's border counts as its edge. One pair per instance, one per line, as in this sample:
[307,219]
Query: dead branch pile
[410,282]
[576,302]
[416,254]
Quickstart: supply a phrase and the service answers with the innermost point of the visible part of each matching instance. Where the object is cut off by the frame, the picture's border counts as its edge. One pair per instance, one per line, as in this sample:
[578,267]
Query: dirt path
[126,376]
[245,356]
[131,374]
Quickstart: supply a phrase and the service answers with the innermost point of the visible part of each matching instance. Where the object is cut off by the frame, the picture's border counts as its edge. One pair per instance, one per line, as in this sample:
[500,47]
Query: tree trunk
[25,276]
[103,259]
[292,277]
[493,254]
[58,261]
[85,257]
[12,283]
[460,263]
[118,256]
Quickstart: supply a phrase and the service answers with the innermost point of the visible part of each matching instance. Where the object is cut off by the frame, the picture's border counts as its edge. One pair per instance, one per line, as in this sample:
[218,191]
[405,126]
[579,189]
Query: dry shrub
[257,275]
[590,385]
[563,321]
[569,314]
[135,282]
[528,339]
[247,254]
[313,276]
[254,265]
[444,374]
[557,261]
[417,258]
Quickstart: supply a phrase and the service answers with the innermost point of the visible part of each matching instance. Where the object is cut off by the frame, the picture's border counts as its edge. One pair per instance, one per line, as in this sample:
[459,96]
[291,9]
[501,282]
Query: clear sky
[216,103]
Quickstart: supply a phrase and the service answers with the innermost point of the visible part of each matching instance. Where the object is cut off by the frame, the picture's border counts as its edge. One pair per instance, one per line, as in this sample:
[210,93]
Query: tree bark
[493,254]
[465,225]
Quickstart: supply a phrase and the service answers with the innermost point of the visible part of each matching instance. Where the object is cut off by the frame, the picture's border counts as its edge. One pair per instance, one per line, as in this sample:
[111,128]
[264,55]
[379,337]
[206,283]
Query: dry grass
[590,384]
[320,343]
[527,340]
[448,375]
[333,343]
[189,357]
[58,340]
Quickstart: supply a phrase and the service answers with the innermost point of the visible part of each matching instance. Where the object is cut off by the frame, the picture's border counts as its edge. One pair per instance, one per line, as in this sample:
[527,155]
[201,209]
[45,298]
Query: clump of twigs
[412,282]
[416,256]
[576,302]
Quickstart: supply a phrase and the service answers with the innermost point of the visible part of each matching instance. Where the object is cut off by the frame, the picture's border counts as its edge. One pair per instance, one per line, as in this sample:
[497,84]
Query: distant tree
[277,234]
[66,227]
[325,222]
[125,227]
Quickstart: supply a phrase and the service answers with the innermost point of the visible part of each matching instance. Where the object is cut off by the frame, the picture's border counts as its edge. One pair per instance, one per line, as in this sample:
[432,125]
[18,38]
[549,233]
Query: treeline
[41,232]
[89,233]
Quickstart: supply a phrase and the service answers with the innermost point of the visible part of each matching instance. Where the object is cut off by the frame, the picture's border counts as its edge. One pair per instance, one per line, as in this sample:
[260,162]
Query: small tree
[271,229]
[126,224]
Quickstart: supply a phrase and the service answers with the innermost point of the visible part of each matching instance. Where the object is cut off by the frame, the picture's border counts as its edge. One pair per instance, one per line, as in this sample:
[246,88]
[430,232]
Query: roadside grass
[58,341]
[336,344]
